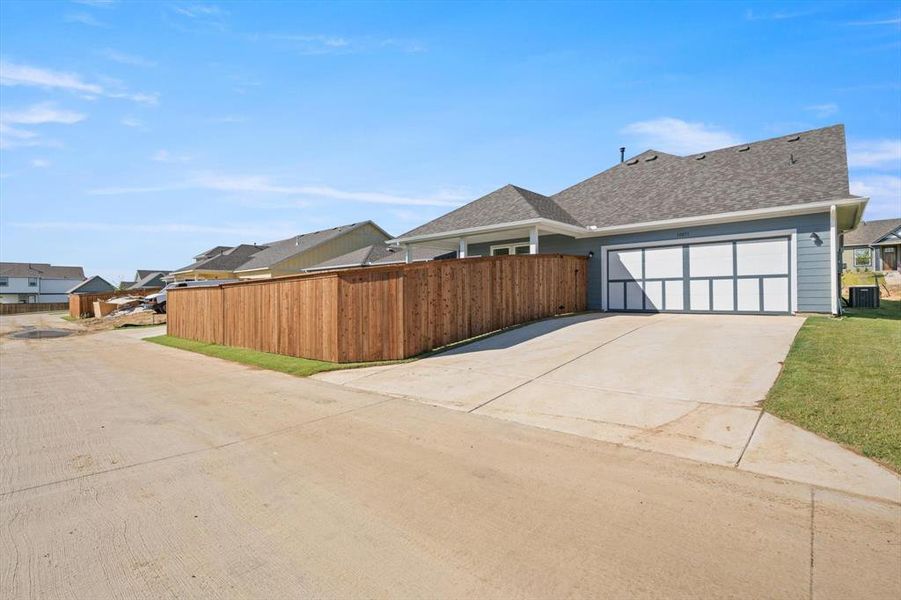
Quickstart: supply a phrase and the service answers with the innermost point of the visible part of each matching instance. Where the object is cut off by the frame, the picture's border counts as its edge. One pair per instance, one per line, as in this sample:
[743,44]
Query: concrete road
[686,385]
[129,470]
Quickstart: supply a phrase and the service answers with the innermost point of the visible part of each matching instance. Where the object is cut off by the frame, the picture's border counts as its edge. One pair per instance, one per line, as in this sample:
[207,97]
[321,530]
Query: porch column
[461,253]
[408,254]
[533,240]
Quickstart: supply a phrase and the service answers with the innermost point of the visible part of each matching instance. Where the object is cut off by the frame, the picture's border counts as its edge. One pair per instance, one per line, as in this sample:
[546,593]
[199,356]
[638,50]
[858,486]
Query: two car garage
[721,275]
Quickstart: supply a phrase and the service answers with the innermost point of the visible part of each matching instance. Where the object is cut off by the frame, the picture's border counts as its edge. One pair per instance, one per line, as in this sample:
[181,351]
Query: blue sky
[135,135]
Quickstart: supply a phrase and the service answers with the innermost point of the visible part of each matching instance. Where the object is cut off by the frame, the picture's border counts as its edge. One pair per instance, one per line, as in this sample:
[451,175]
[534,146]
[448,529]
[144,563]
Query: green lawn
[301,367]
[842,379]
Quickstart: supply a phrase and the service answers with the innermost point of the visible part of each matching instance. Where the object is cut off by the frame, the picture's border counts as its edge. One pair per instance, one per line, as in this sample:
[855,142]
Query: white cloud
[875,153]
[40,163]
[97,3]
[254,184]
[677,136]
[12,74]
[263,231]
[126,59]
[228,119]
[313,44]
[895,21]
[85,19]
[12,136]
[822,110]
[44,112]
[165,156]
[132,122]
[777,15]
[198,10]
[884,192]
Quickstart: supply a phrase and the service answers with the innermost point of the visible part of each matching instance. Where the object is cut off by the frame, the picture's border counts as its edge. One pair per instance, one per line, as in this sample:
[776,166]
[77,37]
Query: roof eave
[548,225]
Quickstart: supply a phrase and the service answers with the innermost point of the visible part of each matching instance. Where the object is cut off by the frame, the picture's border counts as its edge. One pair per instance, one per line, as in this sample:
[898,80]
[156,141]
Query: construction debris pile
[122,312]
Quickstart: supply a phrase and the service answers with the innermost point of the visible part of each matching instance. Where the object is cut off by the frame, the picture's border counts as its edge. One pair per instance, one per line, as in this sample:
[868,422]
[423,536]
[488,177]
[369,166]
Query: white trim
[790,233]
[833,258]
[735,216]
[510,247]
[551,226]
[533,240]
[462,252]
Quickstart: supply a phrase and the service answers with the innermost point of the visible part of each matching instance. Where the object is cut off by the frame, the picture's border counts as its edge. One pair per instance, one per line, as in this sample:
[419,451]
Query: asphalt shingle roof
[380,254]
[150,279]
[804,167]
[869,232]
[507,204]
[280,250]
[43,270]
[229,260]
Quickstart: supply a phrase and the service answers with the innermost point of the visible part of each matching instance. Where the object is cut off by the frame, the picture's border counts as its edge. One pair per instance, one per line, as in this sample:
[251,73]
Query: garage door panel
[723,294]
[749,295]
[634,296]
[699,294]
[762,257]
[617,295]
[625,264]
[653,294]
[674,295]
[775,294]
[661,263]
[710,260]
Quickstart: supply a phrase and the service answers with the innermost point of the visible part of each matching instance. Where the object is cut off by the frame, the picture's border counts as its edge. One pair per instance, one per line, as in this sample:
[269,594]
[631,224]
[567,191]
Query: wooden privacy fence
[380,313]
[82,305]
[15,309]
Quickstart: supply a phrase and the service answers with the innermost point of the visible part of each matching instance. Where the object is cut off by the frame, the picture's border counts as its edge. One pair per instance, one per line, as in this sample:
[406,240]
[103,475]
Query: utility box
[864,296]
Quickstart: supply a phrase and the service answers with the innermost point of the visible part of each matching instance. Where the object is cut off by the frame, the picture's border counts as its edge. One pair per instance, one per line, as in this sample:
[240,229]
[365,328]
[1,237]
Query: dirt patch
[40,334]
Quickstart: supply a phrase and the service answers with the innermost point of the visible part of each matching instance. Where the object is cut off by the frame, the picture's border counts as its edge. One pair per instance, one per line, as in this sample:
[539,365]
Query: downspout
[834,272]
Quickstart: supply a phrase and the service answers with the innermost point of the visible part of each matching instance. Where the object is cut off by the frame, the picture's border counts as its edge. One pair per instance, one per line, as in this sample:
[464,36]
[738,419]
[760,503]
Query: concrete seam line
[561,365]
[198,451]
[750,437]
[812,501]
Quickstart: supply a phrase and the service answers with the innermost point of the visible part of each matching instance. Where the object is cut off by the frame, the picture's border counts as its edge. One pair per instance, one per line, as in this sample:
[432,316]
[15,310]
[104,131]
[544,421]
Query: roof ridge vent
[631,162]
[650,158]
[794,138]
[744,148]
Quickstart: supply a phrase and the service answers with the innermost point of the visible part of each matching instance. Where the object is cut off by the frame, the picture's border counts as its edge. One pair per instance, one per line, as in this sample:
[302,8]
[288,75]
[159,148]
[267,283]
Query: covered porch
[500,240]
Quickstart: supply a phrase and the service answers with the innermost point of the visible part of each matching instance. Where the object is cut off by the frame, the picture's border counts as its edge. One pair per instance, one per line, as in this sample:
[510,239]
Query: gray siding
[814,284]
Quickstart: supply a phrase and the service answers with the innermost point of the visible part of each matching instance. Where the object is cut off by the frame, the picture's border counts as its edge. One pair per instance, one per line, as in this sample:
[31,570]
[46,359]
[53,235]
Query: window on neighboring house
[4,281]
[507,249]
[863,257]
[32,282]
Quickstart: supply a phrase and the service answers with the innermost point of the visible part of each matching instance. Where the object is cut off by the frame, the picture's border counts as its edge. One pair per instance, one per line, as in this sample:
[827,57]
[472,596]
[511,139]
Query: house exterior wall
[204,275]
[814,254]
[47,290]
[365,235]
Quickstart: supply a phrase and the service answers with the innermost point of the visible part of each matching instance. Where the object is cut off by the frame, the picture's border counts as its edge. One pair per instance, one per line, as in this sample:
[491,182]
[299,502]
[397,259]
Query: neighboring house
[36,282]
[873,246]
[380,254]
[282,257]
[93,285]
[747,229]
[146,279]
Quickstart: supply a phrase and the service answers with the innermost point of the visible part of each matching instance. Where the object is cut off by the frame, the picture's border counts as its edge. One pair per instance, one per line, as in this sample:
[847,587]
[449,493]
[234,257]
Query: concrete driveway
[685,385]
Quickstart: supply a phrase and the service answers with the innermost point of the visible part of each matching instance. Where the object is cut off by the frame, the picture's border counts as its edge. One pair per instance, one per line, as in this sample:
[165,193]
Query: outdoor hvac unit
[864,296]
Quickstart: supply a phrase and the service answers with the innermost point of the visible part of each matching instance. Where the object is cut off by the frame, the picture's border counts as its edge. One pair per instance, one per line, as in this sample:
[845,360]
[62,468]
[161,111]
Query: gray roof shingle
[229,260]
[870,232]
[507,204]
[799,168]
[280,250]
[380,254]
[42,270]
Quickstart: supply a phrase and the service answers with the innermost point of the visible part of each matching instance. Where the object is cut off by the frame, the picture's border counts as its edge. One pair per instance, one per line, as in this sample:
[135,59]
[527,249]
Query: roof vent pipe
[622,153]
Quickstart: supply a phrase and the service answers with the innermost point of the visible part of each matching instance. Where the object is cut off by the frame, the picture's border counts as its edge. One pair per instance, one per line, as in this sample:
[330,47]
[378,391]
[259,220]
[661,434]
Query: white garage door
[740,276]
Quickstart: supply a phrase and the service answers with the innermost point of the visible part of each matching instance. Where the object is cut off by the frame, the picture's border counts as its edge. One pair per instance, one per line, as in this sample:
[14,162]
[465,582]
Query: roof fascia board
[546,224]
